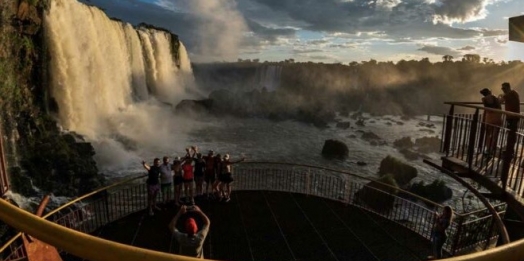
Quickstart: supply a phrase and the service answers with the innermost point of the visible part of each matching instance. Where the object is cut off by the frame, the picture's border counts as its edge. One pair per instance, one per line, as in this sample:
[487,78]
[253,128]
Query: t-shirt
[512,103]
[152,175]
[200,166]
[188,171]
[166,174]
[210,162]
[192,246]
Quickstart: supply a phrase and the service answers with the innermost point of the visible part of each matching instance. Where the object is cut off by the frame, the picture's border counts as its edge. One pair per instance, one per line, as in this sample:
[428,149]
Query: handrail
[349,174]
[77,243]
[468,105]
[76,200]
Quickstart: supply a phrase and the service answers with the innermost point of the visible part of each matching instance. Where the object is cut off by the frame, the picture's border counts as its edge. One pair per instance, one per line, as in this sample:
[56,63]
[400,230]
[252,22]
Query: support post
[449,128]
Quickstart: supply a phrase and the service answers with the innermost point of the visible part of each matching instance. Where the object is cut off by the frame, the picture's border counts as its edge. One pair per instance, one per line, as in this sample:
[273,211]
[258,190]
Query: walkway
[262,225]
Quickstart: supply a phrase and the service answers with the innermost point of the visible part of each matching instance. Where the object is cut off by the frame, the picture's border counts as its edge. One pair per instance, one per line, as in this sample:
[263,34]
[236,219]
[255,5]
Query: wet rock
[402,172]
[403,143]
[409,154]
[428,144]
[370,136]
[335,149]
[343,125]
[194,106]
[437,191]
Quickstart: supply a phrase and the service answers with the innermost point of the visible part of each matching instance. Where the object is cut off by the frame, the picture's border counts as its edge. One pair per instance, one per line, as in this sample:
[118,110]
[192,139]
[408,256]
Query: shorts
[226,178]
[188,180]
[152,189]
[166,188]
[178,180]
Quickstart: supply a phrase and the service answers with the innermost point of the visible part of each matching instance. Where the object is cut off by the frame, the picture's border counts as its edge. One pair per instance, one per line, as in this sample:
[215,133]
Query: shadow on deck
[264,225]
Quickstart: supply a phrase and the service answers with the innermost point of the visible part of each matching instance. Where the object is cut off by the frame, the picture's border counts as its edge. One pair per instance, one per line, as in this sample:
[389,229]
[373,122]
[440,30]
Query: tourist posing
[166,180]
[153,183]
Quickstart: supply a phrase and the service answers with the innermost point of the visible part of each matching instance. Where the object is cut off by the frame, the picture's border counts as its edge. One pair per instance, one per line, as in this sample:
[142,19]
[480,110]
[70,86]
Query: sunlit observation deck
[278,212]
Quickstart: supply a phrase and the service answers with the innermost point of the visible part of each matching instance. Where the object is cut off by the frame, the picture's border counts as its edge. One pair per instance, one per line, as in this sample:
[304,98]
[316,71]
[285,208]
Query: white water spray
[107,79]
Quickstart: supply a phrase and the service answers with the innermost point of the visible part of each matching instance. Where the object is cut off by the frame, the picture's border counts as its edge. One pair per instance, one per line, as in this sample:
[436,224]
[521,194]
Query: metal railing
[465,138]
[92,211]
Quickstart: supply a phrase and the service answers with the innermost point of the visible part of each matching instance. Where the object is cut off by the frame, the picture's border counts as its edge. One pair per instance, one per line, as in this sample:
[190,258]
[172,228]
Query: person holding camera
[191,241]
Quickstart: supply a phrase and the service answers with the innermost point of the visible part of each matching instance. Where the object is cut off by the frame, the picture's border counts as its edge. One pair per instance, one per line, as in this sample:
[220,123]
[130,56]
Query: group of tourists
[185,175]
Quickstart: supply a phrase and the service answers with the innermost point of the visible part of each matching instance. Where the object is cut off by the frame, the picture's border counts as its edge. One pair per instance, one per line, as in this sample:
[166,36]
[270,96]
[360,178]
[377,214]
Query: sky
[330,31]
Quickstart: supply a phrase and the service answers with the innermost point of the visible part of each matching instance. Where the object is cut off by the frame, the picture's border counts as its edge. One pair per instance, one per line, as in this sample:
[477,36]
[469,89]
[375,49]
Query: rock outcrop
[437,191]
[378,196]
[38,154]
[400,171]
[335,149]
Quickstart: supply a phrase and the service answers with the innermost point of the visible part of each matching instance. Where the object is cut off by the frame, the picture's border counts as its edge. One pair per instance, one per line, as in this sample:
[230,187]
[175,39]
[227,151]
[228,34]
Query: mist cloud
[220,29]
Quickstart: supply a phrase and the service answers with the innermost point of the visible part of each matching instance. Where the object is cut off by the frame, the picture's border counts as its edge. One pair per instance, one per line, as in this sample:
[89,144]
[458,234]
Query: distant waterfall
[268,76]
[107,77]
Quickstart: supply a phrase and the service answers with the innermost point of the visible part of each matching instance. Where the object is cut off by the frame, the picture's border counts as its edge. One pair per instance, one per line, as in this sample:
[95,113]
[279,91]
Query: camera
[189,208]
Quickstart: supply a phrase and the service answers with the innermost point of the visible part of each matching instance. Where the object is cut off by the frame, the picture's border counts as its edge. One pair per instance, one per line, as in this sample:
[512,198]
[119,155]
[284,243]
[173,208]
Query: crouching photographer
[191,240]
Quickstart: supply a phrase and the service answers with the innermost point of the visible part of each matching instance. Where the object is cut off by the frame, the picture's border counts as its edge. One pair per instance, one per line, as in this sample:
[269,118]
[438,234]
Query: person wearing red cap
[192,241]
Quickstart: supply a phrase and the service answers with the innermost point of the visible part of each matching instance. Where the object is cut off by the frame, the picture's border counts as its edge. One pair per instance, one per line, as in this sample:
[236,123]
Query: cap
[485,91]
[226,156]
[191,226]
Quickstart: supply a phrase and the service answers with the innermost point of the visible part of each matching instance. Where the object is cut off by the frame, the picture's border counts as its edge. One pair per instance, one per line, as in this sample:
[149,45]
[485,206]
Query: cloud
[439,50]
[221,29]
[302,51]
[467,48]
[452,11]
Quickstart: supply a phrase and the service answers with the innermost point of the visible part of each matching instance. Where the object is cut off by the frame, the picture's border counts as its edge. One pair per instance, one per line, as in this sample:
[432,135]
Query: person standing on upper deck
[492,121]
[511,101]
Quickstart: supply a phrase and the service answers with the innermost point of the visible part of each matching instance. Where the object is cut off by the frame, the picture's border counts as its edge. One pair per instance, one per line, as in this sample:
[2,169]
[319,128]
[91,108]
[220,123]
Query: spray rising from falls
[111,82]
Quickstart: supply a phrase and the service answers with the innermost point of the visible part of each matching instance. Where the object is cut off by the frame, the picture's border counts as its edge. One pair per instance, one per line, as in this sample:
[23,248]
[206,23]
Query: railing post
[456,239]
[449,128]
[472,140]
[308,181]
[483,131]
[512,125]
[105,194]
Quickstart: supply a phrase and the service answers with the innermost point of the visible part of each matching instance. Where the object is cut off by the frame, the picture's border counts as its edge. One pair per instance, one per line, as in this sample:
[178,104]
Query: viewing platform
[278,211]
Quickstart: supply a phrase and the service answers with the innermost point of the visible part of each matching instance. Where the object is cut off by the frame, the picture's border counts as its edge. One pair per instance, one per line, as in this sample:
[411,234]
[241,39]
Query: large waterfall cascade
[112,82]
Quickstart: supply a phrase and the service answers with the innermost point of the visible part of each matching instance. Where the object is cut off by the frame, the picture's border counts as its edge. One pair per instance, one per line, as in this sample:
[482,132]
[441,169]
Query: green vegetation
[37,153]
[437,191]
[400,171]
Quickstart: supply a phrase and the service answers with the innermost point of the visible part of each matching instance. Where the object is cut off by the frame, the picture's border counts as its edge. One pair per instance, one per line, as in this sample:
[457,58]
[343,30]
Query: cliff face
[37,153]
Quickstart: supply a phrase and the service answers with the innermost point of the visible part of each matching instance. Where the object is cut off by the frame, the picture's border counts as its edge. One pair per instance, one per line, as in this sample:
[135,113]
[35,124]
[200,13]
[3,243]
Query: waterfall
[112,82]
[268,76]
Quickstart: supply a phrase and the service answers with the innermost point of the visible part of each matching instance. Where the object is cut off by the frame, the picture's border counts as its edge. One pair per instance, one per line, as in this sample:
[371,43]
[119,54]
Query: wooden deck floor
[263,225]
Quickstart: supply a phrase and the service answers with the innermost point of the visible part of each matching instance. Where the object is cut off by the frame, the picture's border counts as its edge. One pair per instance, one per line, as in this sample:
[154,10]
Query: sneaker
[151,213]
[227,199]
